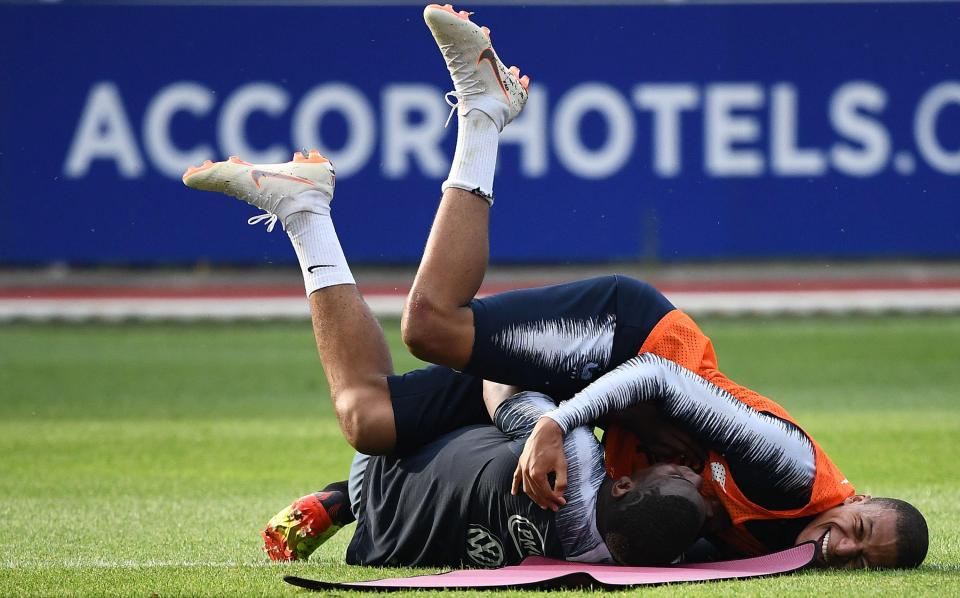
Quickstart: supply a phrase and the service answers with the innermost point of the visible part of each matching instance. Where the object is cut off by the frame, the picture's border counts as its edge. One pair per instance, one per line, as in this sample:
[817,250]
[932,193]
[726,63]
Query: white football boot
[277,189]
[480,79]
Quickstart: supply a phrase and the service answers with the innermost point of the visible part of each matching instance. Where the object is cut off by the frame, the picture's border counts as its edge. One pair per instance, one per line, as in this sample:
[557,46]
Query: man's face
[670,479]
[855,535]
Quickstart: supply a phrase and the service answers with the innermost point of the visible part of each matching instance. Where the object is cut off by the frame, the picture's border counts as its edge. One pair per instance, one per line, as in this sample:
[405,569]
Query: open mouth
[823,549]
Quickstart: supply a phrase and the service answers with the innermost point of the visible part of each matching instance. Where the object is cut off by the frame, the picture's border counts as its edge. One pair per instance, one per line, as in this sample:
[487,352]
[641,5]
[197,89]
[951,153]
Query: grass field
[141,460]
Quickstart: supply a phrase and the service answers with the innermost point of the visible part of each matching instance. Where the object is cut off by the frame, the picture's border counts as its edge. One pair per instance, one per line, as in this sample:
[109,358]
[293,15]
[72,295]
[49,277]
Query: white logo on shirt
[719,474]
[483,547]
[526,536]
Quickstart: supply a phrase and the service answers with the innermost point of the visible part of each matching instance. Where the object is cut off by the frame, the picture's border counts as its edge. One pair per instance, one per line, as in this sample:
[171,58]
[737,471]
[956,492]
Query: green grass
[143,459]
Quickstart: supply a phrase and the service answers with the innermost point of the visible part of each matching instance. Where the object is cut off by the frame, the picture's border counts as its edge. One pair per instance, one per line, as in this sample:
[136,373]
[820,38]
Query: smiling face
[859,534]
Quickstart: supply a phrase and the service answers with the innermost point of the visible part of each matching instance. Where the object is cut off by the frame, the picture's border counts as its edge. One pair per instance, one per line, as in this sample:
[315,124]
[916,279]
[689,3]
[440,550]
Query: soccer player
[448,503]
[439,491]
[446,500]
[777,486]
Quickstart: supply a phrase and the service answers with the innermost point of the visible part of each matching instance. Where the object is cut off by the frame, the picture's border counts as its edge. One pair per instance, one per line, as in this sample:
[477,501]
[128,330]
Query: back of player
[562,338]
[445,505]
[756,508]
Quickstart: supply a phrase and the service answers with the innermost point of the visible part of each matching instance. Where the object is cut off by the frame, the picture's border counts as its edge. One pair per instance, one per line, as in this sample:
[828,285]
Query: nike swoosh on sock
[312,268]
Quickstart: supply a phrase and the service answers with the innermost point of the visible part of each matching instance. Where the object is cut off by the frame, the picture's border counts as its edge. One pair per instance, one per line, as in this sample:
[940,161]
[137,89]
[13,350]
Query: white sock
[475,159]
[315,240]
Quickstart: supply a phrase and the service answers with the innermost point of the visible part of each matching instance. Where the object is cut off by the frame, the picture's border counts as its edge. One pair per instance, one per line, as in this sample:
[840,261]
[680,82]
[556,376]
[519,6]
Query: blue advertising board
[652,132]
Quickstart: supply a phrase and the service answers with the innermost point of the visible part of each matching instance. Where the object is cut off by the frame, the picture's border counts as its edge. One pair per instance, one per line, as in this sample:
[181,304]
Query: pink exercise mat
[543,573]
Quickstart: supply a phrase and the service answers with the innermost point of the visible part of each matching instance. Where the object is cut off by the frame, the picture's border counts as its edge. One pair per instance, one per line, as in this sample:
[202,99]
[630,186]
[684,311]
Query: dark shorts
[433,401]
[600,323]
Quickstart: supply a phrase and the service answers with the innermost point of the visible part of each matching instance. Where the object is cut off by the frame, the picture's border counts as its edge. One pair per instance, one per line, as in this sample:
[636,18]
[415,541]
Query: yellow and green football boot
[296,532]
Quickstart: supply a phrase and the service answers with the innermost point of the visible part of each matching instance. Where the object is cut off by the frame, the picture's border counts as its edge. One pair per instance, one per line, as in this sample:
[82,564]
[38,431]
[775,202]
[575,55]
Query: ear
[621,487]
[857,498]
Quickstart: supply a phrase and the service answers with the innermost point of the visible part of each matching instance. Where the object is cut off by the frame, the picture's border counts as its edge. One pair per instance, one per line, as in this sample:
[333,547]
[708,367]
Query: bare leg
[437,321]
[356,361]
[297,194]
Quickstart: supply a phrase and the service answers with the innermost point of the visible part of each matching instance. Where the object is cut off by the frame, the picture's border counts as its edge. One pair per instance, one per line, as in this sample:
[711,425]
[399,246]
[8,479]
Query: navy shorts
[554,340]
[430,402]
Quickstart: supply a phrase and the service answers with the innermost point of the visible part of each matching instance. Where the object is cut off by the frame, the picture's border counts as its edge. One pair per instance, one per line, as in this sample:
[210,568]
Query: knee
[425,329]
[366,419]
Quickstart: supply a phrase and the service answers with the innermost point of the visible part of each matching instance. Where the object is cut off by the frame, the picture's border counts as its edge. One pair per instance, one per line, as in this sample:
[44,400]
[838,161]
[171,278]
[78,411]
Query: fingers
[537,486]
[533,479]
[560,485]
[694,454]
[542,455]
[537,483]
[672,444]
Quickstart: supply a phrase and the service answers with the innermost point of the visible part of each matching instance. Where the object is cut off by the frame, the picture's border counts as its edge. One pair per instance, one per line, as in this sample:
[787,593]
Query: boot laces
[453,105]
[464,75]
[269,217]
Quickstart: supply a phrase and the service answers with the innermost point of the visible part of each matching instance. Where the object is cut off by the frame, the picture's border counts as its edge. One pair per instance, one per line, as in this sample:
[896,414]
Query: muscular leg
[381,413]
[351,344]
[437,323]
[356,361]
[555,339]
[297,194]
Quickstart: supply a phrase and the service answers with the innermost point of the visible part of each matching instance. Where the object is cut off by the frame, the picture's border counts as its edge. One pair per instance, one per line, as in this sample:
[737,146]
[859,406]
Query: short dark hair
[912,534]
[649,528]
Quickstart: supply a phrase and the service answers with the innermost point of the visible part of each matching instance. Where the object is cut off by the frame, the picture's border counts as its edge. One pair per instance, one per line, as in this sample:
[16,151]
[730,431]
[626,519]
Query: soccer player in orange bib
[616,351]
[613,349]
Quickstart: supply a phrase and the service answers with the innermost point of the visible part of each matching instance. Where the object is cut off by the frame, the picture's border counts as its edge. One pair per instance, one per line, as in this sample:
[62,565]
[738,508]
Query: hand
[660,438]
[542,455]
[670,444]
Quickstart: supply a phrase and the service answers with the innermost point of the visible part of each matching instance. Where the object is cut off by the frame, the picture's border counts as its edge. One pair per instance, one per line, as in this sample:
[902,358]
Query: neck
[604,496]
[717,517]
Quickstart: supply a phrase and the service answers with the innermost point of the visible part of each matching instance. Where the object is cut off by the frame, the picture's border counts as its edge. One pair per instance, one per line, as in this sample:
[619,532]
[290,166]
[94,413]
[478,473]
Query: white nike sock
[315,240]
[475,159]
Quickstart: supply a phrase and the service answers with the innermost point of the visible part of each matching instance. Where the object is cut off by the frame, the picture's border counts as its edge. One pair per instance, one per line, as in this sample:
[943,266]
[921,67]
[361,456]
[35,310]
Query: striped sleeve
[713,415]
[517,416]
[576,520]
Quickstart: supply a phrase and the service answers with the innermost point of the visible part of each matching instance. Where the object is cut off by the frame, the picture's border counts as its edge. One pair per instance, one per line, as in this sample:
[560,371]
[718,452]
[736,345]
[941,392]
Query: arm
[641,380]
[662,440]
[518,417]
[712,415]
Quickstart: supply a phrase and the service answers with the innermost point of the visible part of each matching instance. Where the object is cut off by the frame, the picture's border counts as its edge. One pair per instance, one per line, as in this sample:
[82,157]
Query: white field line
[811,302]
[295,308]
